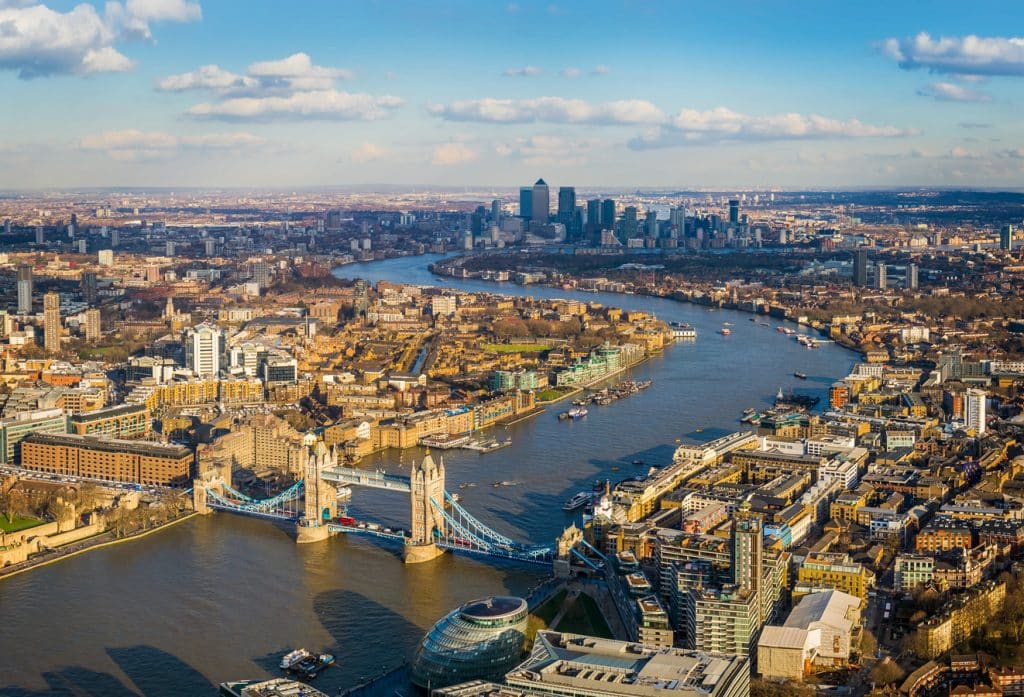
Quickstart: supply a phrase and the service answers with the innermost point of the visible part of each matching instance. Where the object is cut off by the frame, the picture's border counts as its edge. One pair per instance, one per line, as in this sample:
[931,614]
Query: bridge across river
[438,522]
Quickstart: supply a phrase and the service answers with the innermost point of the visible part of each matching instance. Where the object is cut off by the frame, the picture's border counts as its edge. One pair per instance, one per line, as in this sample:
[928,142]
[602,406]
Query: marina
[606,396]
[449,442]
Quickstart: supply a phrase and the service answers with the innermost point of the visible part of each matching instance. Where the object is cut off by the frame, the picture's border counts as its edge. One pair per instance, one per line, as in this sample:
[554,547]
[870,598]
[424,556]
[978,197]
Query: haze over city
[176,93]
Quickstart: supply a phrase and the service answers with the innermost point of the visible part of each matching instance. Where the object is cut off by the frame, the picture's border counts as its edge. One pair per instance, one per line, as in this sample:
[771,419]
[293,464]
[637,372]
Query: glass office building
[482,640]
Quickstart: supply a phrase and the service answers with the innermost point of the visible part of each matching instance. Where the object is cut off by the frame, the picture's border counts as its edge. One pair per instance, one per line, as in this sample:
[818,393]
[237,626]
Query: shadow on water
[156,673]
[159,674]
[75,681]
[354,623]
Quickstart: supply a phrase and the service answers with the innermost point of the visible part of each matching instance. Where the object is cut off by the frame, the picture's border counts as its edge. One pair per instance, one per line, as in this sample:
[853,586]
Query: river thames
[221,597]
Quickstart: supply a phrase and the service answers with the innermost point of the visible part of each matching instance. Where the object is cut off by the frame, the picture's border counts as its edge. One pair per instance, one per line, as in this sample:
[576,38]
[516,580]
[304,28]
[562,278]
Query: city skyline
[176,92]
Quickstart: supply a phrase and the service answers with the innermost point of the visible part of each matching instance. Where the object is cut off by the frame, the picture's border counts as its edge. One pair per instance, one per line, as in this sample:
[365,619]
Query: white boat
[344,492]
[578,500]
[577,412]
[294,658]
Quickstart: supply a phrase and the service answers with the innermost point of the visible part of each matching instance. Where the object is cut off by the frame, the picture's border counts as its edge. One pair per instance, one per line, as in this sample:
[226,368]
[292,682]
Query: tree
[886,672]
[868,643]
[88,497]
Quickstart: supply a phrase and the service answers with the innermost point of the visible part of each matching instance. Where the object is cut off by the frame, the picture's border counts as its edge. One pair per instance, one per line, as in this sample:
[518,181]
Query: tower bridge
[438,523]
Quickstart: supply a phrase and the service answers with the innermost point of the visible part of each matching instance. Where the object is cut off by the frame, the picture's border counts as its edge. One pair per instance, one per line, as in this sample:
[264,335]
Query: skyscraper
[608,214]
[594,212]
[526,202]
[566,203]
[93,326]
[911,276]
[974,410]
[734,211]
[24,289]
[568,215]
[51,322]
[40,235]
[881,276]
[628,223]
[747,553]
[860,268]
[261,274]
[495,211]
[1006,238]
[651,224]
[361,297]
[541,203]
[203,349]
[89,287]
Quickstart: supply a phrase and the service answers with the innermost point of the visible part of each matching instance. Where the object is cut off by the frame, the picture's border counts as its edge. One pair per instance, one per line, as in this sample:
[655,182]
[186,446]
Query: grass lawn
[18,523]
[553,393]
[584,617]
[515,348]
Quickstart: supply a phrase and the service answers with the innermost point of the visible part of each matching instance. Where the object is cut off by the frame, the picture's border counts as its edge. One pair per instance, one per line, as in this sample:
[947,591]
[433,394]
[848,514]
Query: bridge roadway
[449,543]
[375,480]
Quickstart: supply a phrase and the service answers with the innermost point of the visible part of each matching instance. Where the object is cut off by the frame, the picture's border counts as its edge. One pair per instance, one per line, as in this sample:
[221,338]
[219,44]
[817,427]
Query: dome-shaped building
[482,640]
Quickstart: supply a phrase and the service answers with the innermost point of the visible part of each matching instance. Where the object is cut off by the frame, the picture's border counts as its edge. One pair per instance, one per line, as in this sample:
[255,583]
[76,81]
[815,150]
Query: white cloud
[549,110]
[292,87]
[546,151]
[205,77]
[368,152]
[951,92]
[600,70]
[525,71]
[298,72]
[106,60]
[571,72]
[319,104]
[222,141]
[967,55]
[448,154]
[136,15]
[692,126]
[132,145]
[37,41]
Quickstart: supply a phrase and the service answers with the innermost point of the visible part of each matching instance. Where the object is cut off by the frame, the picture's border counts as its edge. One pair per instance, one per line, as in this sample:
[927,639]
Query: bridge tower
[321,497]
[426,483]
[199,503]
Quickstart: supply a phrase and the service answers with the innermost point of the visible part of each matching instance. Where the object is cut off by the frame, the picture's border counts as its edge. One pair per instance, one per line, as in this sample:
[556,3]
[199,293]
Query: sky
[633,93]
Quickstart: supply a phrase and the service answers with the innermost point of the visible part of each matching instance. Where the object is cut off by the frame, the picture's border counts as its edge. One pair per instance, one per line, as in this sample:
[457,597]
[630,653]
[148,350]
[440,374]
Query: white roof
[785,638]
[830,608]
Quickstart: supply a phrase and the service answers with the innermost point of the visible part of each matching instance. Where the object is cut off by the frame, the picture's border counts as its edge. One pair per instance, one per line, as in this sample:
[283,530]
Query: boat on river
[293,658]
[577,501]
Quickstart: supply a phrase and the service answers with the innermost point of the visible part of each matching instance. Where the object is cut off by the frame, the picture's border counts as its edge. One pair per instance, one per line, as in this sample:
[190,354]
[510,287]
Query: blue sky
[635,93]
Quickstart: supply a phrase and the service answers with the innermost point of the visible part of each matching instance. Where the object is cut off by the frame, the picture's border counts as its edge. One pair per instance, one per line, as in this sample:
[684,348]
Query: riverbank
[103,539]
[675,296]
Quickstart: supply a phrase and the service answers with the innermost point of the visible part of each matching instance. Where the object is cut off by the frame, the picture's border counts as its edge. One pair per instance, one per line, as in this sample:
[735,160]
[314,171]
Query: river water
[221,597]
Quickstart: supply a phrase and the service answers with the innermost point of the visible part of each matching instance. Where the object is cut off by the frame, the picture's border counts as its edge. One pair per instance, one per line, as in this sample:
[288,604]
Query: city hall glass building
[483,639]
